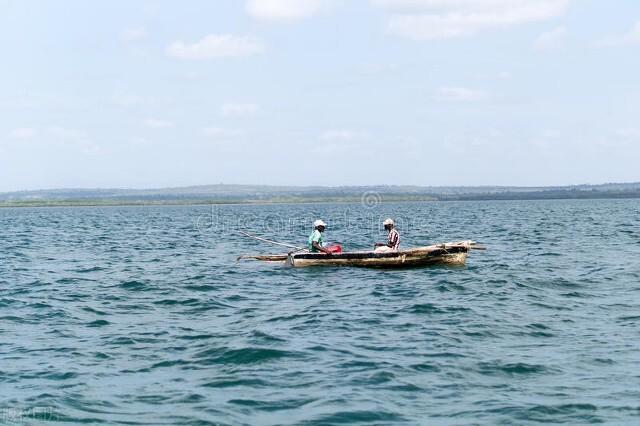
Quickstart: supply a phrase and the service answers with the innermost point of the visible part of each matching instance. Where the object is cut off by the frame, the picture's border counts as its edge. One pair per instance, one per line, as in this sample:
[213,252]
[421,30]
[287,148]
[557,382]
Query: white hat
[319,223]
[388,221]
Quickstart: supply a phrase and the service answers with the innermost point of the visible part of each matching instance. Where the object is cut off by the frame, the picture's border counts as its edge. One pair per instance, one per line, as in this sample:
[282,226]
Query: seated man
[315,239]
[393,240]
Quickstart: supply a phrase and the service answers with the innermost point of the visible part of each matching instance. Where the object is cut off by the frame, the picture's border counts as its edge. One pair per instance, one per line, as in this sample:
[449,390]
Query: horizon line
[94,188]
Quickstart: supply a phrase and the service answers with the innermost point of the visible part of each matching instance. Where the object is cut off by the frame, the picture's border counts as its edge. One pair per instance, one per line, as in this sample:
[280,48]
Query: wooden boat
[454,253]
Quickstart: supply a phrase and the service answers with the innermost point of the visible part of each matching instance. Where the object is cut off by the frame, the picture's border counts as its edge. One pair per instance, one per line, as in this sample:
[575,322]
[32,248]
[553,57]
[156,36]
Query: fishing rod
[246,234]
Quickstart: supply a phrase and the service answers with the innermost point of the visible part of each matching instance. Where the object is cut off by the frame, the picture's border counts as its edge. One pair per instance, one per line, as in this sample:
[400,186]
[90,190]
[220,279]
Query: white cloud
[55,140]
[68,138]
[217,46]
[629,133]
[220,133]
[550,40]
[125,100]
[438,19]
[231,110]
[132,100]
[155,123]
[340,141]
[66,134]
[283,10]
[379,68]
[59,134]
[630,38]
[21,102]
[139,141]
[460,94]
[131,35]
[191,75]
[23,133]
[500,75]
[342,135]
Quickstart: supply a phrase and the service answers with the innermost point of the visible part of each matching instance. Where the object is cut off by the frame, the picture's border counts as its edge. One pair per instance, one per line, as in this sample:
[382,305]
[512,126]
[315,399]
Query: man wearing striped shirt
[393,240]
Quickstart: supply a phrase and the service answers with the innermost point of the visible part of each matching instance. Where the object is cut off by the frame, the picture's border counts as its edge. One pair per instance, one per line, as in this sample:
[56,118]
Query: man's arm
[384,245]
[319,247]
[389,244]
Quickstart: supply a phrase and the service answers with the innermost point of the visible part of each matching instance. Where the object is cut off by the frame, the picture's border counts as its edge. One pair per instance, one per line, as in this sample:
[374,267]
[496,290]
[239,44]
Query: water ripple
[130,315]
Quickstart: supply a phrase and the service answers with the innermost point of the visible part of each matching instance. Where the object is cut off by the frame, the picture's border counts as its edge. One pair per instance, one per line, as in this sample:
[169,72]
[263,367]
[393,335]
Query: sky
[145,94]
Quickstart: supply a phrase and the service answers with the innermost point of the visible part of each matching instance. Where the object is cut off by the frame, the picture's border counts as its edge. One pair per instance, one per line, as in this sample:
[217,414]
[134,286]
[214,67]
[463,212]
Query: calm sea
[141,315]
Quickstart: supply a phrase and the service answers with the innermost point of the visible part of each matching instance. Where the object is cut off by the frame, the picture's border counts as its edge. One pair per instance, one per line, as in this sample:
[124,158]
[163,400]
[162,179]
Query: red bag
[334,248]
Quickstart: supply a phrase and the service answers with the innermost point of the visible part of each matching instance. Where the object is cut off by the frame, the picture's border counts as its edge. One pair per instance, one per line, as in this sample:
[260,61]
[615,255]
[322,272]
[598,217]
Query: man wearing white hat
[315,239]
[393,240]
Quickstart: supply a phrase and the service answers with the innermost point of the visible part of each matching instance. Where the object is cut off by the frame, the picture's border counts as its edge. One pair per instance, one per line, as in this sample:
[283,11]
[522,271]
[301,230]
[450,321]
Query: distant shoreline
[370,195]
[383,198]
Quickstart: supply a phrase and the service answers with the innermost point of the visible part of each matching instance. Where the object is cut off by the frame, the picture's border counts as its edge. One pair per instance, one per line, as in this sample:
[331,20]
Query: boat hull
[423,256]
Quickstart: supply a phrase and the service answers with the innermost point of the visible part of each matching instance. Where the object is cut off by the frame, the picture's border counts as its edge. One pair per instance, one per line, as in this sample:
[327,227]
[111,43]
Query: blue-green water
[141,315]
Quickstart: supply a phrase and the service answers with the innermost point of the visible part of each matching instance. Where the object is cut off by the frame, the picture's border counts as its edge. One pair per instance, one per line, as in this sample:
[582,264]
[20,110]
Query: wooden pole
[246,234]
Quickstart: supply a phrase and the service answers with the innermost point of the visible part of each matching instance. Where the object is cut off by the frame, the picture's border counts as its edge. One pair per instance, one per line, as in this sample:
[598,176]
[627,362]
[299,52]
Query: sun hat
[388,221]
[319,222]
